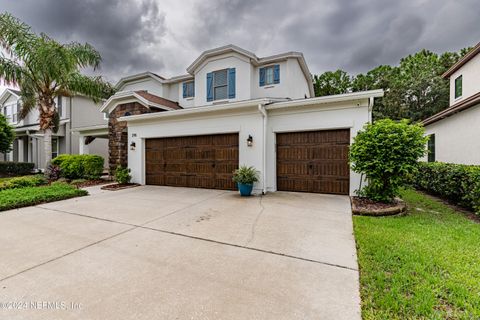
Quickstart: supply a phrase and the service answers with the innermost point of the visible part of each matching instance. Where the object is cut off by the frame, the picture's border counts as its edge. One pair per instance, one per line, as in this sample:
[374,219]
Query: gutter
[263,112]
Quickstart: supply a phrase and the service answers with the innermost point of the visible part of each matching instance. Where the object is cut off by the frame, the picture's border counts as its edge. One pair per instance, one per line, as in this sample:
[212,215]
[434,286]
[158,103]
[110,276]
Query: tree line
[414,89]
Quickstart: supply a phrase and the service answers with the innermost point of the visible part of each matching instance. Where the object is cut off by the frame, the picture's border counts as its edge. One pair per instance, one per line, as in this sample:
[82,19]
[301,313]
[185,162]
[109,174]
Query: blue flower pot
[245,189]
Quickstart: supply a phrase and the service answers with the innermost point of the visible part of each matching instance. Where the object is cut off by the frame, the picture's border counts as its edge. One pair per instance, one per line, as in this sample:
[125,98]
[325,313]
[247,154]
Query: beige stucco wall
[470,73]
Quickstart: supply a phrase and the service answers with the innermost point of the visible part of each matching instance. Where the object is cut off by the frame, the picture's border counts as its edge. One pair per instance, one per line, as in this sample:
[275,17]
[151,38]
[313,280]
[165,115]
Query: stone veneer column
[118,134]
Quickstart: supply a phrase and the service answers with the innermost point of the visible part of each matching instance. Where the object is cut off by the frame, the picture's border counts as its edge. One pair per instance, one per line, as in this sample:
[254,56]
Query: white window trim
[213,85]
[272,67]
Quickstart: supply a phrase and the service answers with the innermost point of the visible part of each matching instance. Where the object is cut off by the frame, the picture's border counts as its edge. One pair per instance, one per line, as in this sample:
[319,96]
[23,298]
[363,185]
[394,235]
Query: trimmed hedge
[10,168]
[455,182]
[22,182]
[79,166]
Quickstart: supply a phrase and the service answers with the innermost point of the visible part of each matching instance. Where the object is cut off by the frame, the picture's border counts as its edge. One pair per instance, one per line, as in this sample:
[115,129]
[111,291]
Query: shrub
[53,172]
[80,166]
[10,168]
[122,175]
[387,153]
[22,182]
[245,175]
[457,183]
[7,135]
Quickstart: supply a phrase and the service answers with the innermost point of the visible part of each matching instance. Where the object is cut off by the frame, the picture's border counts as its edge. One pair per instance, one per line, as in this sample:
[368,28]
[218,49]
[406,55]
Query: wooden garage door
[196,161]
[315,161]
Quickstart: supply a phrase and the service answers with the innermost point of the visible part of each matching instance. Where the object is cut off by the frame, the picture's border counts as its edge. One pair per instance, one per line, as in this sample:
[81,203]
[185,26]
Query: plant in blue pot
[245,177]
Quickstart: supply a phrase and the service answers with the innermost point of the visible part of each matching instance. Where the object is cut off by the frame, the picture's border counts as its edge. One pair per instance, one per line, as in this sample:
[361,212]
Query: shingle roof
[158,100]
[472,53]
[454,108]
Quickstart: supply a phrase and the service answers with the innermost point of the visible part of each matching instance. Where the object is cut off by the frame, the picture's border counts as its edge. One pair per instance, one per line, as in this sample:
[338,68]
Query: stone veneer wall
[118,133]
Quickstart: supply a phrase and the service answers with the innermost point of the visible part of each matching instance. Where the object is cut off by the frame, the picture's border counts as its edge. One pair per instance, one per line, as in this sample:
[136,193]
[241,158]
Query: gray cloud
[165,36]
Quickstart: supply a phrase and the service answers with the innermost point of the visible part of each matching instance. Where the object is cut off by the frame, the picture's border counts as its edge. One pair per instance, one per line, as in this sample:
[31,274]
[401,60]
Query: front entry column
[21,151]
[83,147]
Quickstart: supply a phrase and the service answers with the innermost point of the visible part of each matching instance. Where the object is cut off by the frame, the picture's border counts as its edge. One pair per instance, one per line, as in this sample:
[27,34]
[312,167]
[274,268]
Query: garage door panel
[194,161]
[314,161]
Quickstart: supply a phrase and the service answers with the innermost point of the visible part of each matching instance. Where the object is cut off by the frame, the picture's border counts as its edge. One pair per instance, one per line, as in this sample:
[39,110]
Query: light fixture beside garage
[250,140]
[132,146]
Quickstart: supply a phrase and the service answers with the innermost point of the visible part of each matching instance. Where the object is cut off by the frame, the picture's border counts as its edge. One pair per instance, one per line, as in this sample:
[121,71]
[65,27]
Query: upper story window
[188,89]
[458,86]
[60,107]
[269,75]
[10,111]
[221,84]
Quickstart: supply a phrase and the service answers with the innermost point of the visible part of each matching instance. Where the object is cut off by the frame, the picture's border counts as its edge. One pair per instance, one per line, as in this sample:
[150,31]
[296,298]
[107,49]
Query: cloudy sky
[165,36]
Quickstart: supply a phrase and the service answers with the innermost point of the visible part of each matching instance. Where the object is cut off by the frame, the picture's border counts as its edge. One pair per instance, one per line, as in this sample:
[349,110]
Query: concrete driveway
[178,253]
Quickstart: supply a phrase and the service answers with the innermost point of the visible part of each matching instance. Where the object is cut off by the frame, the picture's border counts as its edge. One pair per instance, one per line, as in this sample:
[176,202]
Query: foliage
[44,69]
[330,83]
[53,172]
[414,89]
[245,175]
[78,181]
[6,135]
[423,265]
[455,182]
[10,168]
[22,182]
[80,166]
[29,196]
[122,175]
[387,153]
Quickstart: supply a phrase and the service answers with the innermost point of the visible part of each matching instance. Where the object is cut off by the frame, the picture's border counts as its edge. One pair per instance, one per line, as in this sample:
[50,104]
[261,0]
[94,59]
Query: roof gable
[7,93]
[460,63]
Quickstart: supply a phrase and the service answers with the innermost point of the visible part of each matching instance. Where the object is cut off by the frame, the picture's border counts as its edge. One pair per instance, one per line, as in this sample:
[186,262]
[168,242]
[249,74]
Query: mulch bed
[118,186]
[91,183]
[366,207]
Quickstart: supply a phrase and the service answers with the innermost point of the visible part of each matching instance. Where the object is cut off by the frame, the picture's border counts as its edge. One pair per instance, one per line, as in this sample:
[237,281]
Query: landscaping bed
[424,265]
[366,207]
[29,196]
[119,186]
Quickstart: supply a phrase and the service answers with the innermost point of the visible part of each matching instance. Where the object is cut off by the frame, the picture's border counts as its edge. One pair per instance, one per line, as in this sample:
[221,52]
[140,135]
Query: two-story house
[454,131]
[233,108]
[82,129]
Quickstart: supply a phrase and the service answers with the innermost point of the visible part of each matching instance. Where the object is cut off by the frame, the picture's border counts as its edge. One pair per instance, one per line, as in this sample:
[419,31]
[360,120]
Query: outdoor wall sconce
[132,146]
[250,141]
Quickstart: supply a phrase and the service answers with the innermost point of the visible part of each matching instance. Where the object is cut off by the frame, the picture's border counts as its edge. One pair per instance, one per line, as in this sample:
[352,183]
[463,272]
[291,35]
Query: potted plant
[245,177]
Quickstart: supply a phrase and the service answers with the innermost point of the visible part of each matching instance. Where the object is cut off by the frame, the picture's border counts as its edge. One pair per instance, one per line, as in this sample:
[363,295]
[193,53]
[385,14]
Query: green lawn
[23,197]
[425,265]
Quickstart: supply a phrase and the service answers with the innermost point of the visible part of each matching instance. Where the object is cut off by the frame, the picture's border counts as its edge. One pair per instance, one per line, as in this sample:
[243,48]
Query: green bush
[387,153]
[245,175]
[122,175]
[457,183]
[10,168]
[80,166]
[22,182]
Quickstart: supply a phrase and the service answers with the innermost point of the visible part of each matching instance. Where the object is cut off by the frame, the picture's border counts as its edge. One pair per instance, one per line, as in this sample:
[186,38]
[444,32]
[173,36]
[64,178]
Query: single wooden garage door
[315,161]
[197,161]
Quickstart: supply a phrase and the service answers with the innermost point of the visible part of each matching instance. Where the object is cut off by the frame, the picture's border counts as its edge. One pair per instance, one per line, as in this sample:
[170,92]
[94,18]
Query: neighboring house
[83,129]
[233,108]
[454,132]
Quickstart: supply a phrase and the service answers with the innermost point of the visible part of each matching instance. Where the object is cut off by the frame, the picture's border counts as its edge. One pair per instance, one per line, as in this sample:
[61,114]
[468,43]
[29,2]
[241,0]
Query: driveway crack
[254,225]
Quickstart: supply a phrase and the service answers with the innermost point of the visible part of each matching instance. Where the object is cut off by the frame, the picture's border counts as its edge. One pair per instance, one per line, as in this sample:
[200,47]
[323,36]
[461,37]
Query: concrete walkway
[178,253]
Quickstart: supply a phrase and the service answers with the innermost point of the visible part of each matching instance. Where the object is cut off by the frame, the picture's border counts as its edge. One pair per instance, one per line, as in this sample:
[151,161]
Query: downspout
[263,112]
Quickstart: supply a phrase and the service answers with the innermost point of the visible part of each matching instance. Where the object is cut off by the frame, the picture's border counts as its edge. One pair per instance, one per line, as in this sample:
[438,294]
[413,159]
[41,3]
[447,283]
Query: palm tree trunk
[47,146]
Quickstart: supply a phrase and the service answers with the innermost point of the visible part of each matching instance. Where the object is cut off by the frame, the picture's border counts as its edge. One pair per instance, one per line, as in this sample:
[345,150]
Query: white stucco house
[454,132]
[233,108]
[82,129]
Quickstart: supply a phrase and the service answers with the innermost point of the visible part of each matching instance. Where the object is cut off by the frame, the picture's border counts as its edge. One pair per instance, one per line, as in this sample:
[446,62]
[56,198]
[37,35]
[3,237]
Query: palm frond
[93,87]
[84,54]
[10,71]
[16,37]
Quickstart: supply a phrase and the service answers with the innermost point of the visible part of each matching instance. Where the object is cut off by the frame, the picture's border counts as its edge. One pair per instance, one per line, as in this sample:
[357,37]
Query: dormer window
[458,87]
[221,84]
[269,75]
[188,89]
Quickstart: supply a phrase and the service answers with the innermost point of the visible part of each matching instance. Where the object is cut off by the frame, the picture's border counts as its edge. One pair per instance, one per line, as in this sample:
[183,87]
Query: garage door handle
[310,166]
[213,165]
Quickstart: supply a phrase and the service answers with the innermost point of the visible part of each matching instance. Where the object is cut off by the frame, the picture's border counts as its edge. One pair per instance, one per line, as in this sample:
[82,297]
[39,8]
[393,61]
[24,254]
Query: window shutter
[231,83]
[210,86]
[184,90]
[262,77]
[276,73]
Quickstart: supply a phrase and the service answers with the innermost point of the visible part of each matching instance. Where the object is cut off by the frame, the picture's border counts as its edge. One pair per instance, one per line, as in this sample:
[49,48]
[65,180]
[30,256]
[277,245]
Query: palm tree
[44,69]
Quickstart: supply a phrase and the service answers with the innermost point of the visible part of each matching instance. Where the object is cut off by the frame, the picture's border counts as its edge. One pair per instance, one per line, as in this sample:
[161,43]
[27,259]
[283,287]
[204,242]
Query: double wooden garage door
[315,161]
[197,161]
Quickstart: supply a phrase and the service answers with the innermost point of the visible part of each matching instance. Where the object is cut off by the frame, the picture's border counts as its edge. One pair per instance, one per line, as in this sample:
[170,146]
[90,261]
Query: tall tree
[331,82]
[44,69]
[6,135]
